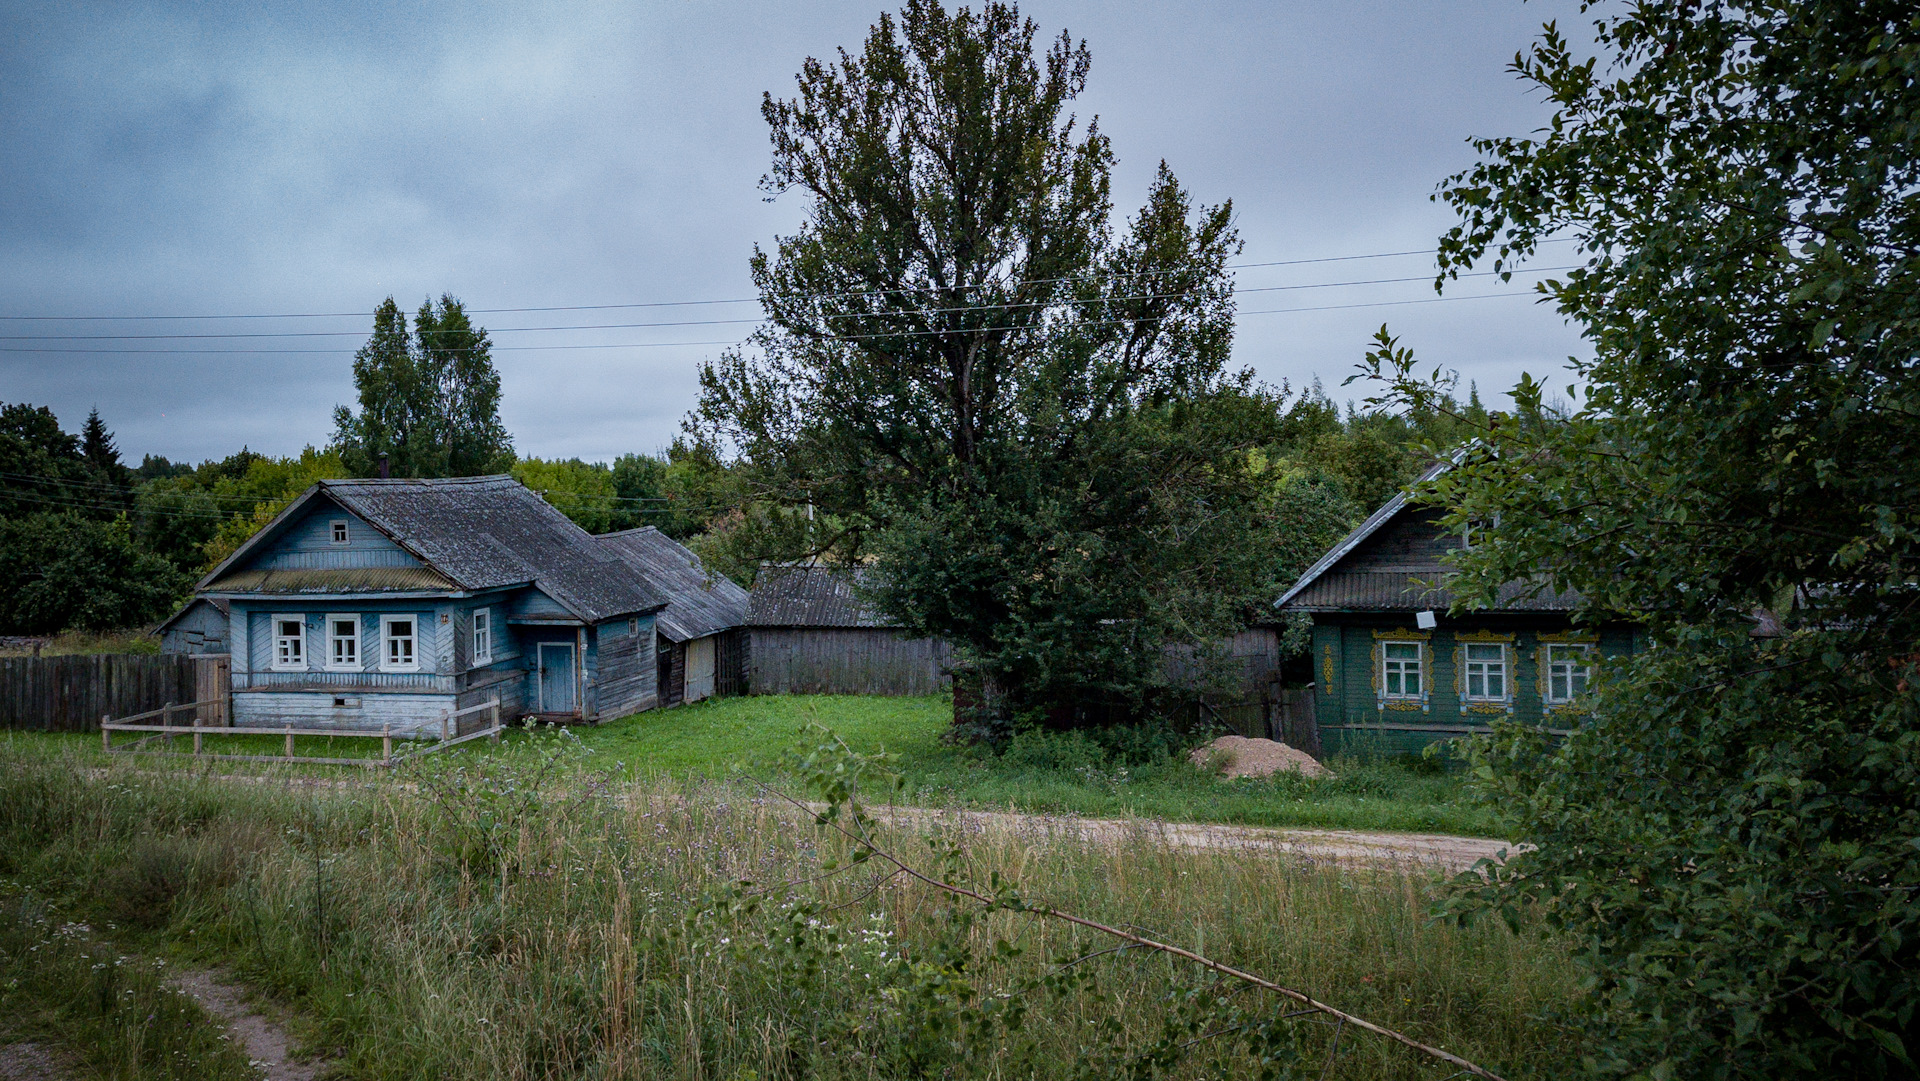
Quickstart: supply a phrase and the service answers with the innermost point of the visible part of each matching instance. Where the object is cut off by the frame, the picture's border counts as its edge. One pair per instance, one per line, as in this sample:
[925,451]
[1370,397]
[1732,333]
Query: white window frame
[1486,669]
[482,636]
[387,638]
[339,532]
[1419,670]
[333,663]
[281,663]
[1585,652]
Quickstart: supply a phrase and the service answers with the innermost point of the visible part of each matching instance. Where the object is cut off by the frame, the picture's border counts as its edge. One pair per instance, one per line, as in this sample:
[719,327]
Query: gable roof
[811,595]
[476,533]
[697,605]
[1332,584]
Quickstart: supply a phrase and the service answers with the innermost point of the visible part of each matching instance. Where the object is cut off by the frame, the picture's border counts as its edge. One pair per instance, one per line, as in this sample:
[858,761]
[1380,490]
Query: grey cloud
[232,158]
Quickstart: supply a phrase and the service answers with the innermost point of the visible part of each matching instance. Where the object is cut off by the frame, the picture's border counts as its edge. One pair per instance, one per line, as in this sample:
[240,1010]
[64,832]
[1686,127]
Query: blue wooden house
[375,602]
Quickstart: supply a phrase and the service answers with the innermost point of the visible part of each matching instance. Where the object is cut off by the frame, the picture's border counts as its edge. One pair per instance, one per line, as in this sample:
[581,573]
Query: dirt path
[265,1042]
[1407,850]
[1412,851]
[30,1061]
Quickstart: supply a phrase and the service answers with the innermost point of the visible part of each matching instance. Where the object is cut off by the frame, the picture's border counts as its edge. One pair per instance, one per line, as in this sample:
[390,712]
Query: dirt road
[1353,847]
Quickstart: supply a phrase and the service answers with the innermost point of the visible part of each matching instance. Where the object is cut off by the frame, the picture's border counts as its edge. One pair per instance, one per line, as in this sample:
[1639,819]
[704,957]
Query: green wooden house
[1393,671]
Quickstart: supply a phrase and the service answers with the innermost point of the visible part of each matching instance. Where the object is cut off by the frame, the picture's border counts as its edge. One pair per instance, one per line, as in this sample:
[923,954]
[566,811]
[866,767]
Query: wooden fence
[167,731]
[845,660]
[72,693]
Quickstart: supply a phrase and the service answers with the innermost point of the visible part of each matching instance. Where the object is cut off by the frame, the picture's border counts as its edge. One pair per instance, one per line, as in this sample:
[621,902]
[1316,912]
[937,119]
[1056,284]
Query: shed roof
[698,604]
[219,605]
[477,533]
[811,595]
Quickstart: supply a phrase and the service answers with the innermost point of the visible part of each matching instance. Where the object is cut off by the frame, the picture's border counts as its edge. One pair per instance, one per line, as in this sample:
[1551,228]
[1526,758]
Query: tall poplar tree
[429,397]
[973,373]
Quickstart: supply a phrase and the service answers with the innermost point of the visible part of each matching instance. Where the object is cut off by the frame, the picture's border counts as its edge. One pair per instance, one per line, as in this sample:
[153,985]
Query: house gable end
[328,536]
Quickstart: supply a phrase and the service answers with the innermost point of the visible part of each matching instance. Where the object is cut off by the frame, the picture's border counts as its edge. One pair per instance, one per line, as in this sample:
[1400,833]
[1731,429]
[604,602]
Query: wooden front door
[558,690]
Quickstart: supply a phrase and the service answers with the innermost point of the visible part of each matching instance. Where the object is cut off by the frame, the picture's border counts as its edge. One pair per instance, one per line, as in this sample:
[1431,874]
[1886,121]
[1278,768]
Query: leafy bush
[1730,845]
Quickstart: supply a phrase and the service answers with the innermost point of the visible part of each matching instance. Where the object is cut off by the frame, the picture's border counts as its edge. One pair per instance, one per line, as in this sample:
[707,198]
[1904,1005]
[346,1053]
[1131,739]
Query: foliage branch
[1733,838]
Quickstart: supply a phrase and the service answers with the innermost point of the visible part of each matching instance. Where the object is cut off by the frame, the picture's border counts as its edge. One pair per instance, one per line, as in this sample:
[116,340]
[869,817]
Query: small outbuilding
[700,636]
[812,633]
[199,627]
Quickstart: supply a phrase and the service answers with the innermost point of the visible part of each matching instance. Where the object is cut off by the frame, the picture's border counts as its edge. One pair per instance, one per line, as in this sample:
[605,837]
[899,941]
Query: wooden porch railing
[166,732]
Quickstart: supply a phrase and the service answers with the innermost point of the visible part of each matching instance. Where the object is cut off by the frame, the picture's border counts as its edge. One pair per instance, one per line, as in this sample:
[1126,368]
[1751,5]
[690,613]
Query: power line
[1091,301]
[694,303]
[835,337]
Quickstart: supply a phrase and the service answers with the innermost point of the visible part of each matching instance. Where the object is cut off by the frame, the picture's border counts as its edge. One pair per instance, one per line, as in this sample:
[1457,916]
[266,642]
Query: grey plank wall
[845,660]
[69,694]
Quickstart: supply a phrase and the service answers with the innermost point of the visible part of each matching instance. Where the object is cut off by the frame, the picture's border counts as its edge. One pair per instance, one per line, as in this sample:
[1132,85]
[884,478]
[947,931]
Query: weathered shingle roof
[219,605]
[810,596]
[1399,591]
[482,533]
[697,604]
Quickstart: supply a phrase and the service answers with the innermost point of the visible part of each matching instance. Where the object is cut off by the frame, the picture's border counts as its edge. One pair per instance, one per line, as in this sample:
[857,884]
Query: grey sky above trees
[218,159]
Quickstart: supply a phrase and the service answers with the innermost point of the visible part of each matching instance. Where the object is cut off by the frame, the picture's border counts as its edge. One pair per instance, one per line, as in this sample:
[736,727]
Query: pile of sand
[1245,757]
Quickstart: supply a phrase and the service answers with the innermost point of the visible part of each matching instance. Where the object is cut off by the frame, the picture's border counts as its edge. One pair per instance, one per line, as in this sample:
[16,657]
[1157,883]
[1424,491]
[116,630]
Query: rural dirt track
[1411,851]
[1407,851]
[266,1043]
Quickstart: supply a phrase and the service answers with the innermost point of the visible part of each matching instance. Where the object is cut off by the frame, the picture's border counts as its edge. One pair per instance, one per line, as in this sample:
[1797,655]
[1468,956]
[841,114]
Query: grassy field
[518,915]
[1037,774]
[755,737]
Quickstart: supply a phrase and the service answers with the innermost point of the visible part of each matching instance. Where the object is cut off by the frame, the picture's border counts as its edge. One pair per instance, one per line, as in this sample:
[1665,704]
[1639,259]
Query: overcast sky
[230,159]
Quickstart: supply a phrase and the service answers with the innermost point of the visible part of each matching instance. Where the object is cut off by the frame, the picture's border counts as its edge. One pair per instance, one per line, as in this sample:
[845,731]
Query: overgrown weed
[682,929]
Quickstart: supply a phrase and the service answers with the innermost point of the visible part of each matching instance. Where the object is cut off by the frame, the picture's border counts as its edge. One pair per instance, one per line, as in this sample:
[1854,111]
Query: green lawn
[755,736]
[1058,775]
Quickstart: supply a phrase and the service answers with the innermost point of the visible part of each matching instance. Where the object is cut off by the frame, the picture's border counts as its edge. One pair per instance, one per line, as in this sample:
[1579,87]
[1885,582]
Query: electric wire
[733,300]
[955,309]
[104,506]
[833,337]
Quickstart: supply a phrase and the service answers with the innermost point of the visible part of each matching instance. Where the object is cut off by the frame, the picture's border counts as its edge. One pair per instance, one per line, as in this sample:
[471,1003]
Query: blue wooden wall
[308,544]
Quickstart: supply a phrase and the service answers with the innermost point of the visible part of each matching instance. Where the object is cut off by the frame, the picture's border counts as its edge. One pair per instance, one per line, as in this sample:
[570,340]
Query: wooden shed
[700,635]
[810,632]
[199,627]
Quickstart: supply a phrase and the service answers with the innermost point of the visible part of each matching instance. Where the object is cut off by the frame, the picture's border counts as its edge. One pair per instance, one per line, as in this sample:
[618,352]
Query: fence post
[106,737]
[386,744]
[289,742]
[445,715]
[493,705]
[166,723]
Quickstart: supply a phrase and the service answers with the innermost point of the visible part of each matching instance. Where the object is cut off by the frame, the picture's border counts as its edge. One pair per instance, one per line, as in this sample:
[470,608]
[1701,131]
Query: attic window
[633,626]
[339,530]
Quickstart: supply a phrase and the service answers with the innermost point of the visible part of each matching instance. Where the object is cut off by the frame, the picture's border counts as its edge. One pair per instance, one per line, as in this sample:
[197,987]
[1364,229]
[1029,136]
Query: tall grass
[511,916]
